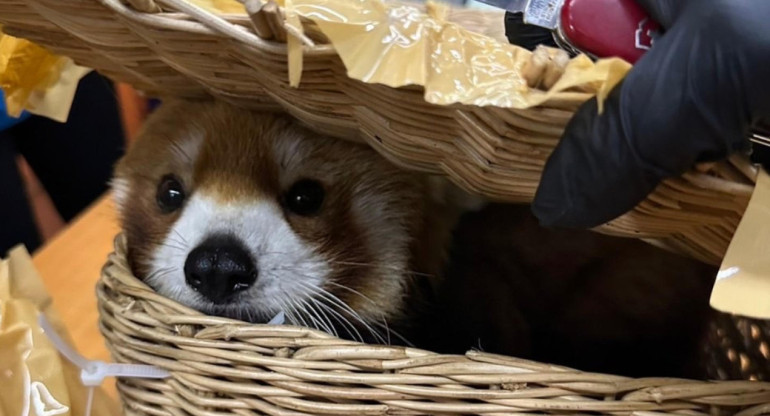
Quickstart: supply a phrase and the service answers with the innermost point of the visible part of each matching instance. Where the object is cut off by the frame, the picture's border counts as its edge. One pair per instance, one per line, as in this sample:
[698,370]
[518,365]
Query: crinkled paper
[399,44]
[743,283]
[36,80]
[34,379]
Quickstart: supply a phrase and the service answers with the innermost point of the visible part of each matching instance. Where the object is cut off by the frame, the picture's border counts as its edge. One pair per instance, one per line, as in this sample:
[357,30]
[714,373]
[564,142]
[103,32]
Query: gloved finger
[593,174]
[664,12]
[664,117]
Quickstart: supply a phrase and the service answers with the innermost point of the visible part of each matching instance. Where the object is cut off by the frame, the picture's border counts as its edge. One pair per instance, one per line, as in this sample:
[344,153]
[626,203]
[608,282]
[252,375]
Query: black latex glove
[693,97]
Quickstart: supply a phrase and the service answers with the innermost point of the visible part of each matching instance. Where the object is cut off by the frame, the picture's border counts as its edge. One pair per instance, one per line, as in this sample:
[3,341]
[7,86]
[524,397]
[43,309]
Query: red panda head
[246,214]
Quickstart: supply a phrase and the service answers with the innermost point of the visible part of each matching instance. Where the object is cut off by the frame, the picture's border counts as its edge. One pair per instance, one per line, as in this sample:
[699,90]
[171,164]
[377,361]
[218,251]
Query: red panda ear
[444,192]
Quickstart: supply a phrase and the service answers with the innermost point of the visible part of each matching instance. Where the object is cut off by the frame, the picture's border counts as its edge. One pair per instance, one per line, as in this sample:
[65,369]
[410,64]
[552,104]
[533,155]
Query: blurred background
[50,172]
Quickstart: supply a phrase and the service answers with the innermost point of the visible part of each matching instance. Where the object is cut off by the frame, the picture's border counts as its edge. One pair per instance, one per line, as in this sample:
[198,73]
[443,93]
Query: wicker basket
[221,366]
[496,152]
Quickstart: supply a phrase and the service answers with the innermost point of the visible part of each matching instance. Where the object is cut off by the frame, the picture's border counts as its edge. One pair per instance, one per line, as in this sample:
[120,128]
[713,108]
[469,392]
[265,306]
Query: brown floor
[66,271]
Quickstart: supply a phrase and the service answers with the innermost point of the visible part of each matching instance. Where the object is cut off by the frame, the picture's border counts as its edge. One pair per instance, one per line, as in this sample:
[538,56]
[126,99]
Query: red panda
[247,214]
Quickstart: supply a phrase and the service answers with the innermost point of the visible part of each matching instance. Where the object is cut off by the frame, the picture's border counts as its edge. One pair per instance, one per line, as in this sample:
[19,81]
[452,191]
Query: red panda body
[247,214]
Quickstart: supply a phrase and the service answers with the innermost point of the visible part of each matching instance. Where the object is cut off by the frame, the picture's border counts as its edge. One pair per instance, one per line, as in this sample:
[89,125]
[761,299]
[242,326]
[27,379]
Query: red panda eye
[305,197]
[170,194]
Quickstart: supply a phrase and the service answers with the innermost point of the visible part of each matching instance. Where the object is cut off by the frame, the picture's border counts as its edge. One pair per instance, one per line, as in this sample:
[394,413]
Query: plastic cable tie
[278,319]
[93,373]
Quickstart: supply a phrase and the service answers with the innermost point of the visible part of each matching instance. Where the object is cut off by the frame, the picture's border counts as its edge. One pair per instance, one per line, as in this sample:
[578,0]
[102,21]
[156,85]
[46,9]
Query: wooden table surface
[70,265]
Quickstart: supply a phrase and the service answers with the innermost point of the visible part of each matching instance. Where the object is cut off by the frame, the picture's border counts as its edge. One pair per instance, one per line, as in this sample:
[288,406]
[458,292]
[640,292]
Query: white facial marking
[288,268]
[120,189]
[186,149]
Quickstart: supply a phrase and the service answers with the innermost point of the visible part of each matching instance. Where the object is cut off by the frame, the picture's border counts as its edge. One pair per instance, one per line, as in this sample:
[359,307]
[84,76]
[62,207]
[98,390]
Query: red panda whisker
[313,312]
[353,291]
[380,266]
[318,308]
[173,246]
[181,237]
[346,324]
[354,315]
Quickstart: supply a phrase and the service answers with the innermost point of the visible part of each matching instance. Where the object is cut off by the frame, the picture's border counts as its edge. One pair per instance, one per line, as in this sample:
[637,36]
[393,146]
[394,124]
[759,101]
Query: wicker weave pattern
[498,153]
[737,348]
[220,366]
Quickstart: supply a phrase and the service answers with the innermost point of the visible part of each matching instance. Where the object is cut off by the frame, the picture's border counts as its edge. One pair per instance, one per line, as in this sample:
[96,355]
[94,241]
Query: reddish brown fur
[571,297]
[237,162]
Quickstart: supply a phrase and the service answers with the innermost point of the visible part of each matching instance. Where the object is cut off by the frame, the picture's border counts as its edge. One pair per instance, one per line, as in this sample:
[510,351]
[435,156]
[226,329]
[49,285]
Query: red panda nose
[219,268]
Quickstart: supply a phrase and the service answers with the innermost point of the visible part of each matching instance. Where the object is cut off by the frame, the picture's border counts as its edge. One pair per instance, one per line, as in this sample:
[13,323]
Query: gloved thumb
[664,12]
[594,174]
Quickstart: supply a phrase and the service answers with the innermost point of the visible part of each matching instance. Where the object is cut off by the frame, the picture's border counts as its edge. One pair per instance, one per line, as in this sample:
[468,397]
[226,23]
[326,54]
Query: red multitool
[597,28]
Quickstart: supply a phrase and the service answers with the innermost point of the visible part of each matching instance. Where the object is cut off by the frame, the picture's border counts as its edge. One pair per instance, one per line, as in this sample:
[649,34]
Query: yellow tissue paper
[35,379]
[399,44]
[742,286]
[36,80]
[220,6]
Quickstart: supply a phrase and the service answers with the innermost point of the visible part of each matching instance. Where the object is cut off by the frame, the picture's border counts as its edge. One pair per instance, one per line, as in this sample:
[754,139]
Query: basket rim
[325,367]
[480,149]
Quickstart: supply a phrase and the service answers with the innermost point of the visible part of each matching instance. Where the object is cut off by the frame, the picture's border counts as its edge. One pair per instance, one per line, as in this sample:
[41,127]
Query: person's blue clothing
[7,121]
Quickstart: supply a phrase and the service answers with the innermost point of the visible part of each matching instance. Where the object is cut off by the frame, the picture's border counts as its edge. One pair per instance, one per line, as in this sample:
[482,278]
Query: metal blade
[543,13]
[513,6]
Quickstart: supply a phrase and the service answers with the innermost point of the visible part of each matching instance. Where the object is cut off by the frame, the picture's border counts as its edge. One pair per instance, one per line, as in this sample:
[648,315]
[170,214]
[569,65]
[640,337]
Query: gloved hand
[692,97]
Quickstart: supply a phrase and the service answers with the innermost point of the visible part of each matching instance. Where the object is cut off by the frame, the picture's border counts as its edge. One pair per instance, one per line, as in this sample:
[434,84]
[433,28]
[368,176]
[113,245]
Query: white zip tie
[278,319]
[93,373]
